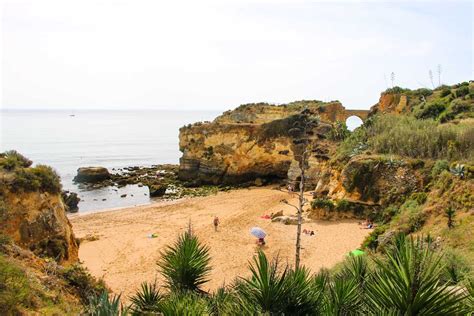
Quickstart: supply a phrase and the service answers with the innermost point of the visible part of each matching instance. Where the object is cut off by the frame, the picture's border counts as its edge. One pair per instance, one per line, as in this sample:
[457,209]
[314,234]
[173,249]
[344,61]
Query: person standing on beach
[216,223]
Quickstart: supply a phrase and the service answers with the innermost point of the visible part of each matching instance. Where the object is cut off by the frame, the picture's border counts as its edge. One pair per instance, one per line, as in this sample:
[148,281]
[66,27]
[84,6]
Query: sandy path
[125,257]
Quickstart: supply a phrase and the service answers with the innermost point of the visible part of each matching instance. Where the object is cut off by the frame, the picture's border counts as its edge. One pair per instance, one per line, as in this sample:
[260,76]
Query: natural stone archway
[362,114]
[353,122]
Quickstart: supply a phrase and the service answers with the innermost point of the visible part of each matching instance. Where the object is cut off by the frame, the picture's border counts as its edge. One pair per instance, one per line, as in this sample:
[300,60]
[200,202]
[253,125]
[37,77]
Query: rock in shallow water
[157,190]
[92,174]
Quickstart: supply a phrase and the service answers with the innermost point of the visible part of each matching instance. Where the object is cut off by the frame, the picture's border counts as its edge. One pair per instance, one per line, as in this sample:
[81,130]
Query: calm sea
[69,139]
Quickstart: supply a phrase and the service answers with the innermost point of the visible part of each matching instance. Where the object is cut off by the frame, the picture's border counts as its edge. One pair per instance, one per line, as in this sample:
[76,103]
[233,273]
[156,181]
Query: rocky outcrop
[157,190]
[91,174]
[37,221]
[253,142]
[71,201]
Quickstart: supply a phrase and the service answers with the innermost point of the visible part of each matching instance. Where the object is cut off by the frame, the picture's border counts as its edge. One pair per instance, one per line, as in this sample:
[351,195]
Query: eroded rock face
[91,174]
[37,221]
[231,153]
[253,142]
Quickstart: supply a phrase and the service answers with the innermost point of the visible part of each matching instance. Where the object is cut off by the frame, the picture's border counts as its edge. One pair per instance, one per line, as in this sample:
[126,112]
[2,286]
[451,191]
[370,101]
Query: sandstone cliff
[32,212]
[252,142]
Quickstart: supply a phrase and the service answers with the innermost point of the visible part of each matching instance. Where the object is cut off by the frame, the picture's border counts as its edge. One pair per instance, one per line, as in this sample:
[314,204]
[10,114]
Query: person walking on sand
[216,223]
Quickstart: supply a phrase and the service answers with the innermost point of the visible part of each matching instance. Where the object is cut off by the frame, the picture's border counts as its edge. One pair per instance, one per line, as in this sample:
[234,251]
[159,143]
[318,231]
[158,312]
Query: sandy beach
[125,256]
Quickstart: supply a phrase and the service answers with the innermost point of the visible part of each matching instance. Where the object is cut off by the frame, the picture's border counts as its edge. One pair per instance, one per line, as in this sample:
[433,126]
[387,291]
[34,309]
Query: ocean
[69,139]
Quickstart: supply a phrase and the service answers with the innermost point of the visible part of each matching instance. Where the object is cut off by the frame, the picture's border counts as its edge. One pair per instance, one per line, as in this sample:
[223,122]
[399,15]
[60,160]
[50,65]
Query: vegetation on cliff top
[18,174]
[411,137]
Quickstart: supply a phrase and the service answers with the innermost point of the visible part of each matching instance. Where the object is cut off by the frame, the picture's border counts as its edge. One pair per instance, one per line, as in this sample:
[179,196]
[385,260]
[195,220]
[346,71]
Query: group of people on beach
[368,224]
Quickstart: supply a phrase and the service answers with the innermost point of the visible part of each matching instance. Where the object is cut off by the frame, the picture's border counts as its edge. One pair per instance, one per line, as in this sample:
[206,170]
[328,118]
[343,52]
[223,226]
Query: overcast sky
[216,55]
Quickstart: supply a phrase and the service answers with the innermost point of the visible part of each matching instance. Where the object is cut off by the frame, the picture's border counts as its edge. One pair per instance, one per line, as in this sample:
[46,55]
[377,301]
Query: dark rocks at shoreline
[92,175]
[71,201]
[157,190]
[162,182]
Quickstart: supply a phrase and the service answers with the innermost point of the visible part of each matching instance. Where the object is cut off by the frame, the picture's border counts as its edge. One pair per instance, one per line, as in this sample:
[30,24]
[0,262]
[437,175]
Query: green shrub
[83,282]
[184,303]
[353,145]
[406,136]
[339,131]
[438,167]
[422,92]
[41,177]
[462,91]
[419,197]
[322,203]
[431,110]
[343,205]
[15,290]
[106,305]
[445,92]
[12,159]
[25,180]
[48,178]
[457,267]
[372,240]
[396,89]
[388,213]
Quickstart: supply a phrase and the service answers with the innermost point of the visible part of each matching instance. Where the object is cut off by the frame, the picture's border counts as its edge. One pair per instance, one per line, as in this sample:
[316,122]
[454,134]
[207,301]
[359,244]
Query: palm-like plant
[185,265]
[224,302]
[106,305]
[183,303]
[146,300]
[267,288]
[408,281]
[304,293]
[343,297]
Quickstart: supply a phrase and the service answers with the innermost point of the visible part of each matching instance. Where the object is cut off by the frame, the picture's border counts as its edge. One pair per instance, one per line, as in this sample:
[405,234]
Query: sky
[201,55]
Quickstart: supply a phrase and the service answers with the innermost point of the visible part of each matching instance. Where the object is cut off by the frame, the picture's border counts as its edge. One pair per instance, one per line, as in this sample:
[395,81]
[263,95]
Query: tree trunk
[300,214]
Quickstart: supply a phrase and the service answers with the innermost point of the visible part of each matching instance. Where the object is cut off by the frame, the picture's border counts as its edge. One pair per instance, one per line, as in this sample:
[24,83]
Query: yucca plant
[267,288]
[146,300]
[408,281]
[184,303]
[223,302]
[185,265]
[470,290]
[305,294]
[343,297]
[106,305]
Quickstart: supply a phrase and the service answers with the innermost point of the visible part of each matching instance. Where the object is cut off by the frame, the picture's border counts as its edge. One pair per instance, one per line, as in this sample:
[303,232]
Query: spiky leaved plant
[106,305]
[146,300]
[184,303]
[267,288]
[408,281]
[305,293]
[343,297]
[185,265]
[450,213]
[224,302]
